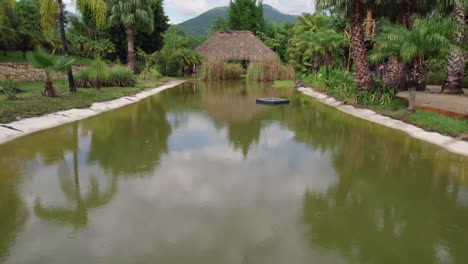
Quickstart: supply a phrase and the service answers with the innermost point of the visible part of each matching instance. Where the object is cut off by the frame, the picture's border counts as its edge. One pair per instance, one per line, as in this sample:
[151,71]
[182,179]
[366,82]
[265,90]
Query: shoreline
[31,125]
[449,143]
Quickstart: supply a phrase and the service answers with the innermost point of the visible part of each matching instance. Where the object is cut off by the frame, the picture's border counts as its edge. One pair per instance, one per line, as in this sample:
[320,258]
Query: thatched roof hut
[236,46]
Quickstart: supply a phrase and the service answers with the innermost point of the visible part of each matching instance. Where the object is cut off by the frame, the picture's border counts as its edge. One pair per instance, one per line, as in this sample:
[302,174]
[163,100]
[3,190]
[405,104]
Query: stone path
[434,100]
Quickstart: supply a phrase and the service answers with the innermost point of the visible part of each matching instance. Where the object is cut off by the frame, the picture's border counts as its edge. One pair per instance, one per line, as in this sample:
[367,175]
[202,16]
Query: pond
[201,174]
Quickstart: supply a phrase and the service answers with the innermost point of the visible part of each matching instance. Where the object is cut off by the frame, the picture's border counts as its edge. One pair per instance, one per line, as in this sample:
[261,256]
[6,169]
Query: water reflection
[229,181]
[130,140]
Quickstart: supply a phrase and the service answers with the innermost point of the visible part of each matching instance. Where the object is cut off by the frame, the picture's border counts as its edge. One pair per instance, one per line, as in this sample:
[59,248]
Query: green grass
[17,57]
[284,84]
[32,103]
[439,123]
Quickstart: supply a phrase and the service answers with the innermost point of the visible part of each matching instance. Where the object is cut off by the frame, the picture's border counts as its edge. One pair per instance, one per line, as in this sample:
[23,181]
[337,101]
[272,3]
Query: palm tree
[53,9]
[50,11]
[50,63]
[321,46]
[129,14]
[456,59]
[428,38]
[356,10]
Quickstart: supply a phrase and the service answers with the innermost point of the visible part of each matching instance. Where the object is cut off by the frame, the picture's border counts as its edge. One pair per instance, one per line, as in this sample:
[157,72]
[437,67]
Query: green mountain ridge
[201,24]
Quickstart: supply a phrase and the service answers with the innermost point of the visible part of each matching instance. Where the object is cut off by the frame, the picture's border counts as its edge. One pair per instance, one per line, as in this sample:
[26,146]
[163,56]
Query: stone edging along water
[30,125]
[449,143]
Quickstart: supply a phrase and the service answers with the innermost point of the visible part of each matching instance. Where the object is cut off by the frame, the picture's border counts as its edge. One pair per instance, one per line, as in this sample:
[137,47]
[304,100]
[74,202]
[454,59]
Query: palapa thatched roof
[236,46]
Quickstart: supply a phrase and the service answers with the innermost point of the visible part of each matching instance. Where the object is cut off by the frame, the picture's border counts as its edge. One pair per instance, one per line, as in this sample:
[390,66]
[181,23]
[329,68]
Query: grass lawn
[17,57]
[33,103]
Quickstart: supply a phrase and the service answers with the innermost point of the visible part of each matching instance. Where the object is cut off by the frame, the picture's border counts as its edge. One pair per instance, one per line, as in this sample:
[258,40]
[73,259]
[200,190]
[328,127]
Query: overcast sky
[181,10]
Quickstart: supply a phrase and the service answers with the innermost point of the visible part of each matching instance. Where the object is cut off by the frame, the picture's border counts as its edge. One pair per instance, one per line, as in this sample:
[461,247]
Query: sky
[181,10]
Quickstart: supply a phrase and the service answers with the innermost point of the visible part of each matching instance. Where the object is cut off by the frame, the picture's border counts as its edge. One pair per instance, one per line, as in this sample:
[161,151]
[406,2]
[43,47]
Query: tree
[50,63]
[429,38]
[29,28]
[175,56]
[219,24]
[246,15]
[356,11]
[153,41]
[456,59]
[130,14]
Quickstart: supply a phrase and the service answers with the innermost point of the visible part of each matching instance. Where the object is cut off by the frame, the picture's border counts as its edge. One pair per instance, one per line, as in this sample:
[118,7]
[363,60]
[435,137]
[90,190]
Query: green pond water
[201,174]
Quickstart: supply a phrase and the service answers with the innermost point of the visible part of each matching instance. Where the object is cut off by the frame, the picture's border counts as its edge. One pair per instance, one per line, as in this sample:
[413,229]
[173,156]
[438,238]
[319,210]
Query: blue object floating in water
[272,101]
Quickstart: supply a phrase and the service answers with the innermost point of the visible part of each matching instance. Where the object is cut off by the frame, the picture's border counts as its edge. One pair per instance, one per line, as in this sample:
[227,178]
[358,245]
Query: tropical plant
[456,59]
[429,38]
[5,6]
[320,47]
[298,44]
[49,63]
[129,14]
[355,9]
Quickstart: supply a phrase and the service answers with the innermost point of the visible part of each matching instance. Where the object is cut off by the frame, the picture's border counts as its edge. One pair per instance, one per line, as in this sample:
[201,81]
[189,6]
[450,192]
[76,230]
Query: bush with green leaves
[259,71]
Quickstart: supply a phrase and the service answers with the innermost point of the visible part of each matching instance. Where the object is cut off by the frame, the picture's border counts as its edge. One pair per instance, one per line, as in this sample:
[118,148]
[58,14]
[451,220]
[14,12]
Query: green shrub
[284,84]
[151,75]
[122,77]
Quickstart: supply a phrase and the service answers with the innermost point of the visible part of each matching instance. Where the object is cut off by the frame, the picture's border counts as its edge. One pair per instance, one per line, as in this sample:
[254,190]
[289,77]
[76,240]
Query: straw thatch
[236,46]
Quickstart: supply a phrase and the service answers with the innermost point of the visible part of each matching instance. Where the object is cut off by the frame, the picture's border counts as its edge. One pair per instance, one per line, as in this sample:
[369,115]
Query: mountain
[201,24]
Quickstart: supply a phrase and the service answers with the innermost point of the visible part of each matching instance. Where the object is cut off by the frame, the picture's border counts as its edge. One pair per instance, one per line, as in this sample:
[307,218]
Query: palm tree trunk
[407,16]
[71,81]
[415,73]
[456,60]
[131,47]
[49,89]
[363,75]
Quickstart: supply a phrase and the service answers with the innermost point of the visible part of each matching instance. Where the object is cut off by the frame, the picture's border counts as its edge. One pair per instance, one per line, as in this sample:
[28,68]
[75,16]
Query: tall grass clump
[212,69]
[100,75]
[98,72]
[232,71]
[269,71]
[215,69]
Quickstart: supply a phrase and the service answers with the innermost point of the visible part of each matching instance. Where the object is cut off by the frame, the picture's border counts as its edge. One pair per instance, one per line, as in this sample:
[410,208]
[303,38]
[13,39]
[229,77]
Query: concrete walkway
[433,100]
[30,125]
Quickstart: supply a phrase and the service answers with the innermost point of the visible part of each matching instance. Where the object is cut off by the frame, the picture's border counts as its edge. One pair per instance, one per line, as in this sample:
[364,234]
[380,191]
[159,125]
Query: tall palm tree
[356,10]
[429,38]
[456,58]
[129,14]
